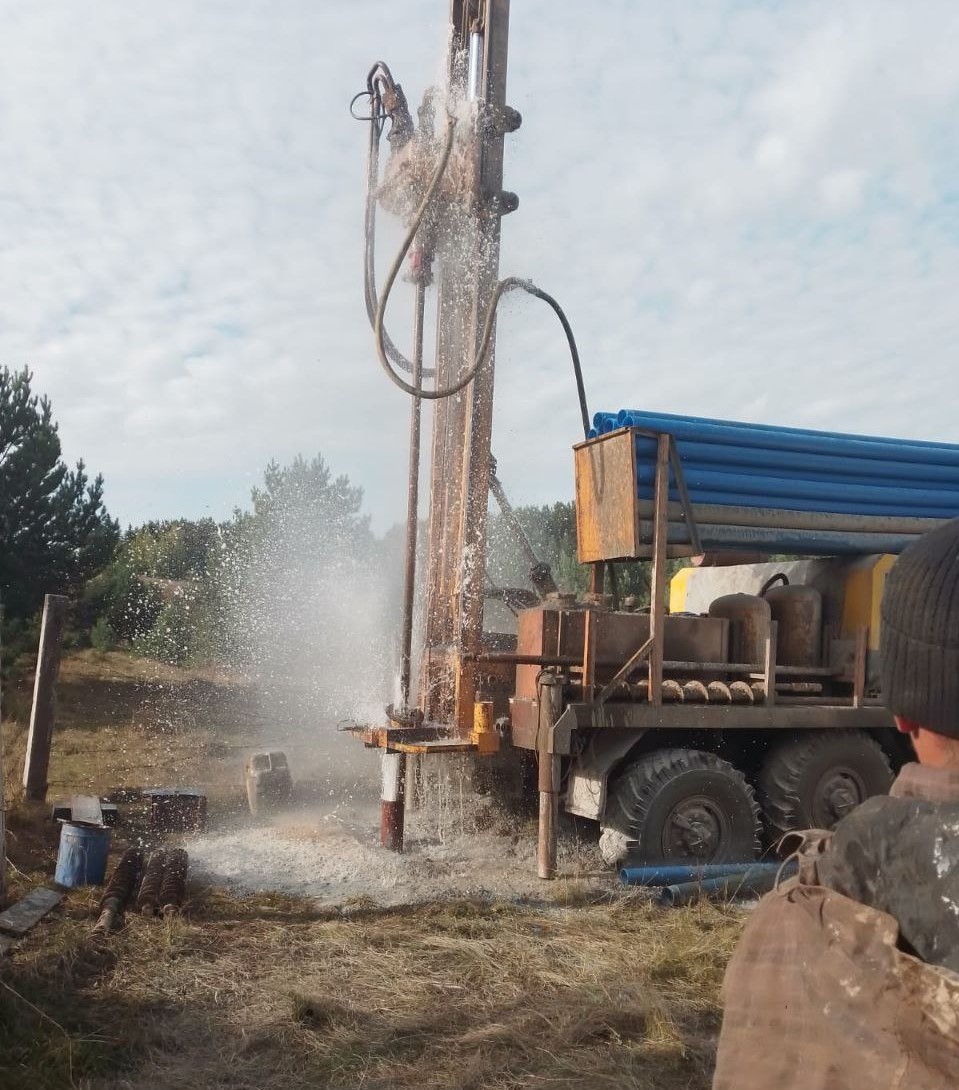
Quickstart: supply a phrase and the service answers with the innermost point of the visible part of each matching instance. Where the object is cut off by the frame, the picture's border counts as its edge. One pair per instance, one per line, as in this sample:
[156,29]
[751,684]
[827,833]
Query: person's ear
[906,726]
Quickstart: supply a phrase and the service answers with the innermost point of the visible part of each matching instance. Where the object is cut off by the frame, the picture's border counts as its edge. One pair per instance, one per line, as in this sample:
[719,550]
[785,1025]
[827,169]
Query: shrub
[103,636]
[171,639]
[124,601]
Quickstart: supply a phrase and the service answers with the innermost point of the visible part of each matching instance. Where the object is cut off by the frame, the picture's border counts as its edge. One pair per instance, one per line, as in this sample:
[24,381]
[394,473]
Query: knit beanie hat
[919,642]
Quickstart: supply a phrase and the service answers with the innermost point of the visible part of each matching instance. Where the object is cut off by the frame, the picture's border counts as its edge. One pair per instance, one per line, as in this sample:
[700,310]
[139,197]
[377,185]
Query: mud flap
[589,775]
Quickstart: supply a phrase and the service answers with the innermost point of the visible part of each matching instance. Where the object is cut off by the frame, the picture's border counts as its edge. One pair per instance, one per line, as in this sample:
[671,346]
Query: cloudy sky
[748,209]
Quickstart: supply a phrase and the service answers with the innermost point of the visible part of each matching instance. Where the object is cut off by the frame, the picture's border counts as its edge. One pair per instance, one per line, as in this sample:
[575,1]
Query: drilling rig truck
[744,701]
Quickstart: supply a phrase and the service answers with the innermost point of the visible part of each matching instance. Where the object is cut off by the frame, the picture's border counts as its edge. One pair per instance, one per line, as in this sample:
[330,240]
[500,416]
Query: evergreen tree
[54,530]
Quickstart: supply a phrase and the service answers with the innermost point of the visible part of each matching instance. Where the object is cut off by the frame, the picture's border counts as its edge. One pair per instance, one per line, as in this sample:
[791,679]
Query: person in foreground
[847,976]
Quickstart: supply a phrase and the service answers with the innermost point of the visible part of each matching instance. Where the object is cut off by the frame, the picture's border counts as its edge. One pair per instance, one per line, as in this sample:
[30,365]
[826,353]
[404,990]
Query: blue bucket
[82,858]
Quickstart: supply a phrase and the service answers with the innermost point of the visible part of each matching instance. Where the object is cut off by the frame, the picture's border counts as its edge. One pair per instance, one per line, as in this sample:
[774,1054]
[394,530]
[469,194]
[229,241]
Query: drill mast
[462,425]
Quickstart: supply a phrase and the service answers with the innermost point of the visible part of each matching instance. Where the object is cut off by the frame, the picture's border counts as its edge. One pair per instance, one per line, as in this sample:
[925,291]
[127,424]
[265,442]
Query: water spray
[447,186]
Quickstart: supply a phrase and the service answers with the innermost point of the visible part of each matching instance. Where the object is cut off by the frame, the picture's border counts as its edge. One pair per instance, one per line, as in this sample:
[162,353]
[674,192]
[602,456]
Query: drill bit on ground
[122,885]
[173,887]
[149,896]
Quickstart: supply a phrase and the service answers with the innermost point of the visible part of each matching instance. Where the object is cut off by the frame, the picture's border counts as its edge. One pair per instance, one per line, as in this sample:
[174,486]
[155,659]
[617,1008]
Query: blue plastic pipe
[703,429]
[671,875]
[730,885]
[762,467]
[792,503]
[810,466]
[822,494]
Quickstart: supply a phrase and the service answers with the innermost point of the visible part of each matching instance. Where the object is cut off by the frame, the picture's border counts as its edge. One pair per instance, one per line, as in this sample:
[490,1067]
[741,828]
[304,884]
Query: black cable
[377,122]
[532,289]
[376,306]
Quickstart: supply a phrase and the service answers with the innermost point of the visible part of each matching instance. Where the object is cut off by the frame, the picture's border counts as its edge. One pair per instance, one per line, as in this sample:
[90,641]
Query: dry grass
[124,721]
[270,993]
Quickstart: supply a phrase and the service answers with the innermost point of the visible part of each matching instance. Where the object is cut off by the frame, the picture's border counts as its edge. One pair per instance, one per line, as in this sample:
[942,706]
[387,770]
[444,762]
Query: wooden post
[37,761]
[550,690]
[657,591]
[3,813]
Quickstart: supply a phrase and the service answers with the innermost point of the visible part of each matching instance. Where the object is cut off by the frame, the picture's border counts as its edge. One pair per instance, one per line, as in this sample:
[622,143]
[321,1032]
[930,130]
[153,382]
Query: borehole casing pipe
[392,800]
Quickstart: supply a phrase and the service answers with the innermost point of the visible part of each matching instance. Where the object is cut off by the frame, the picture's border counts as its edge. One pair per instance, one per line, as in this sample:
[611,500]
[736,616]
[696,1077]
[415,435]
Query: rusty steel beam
[461,468]
[657,591]
[789,713]
[769,666]
[550,691]
[510,658]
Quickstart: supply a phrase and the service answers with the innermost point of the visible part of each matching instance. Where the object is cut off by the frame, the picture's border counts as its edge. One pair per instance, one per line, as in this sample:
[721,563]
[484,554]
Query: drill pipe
[123,882]
[174,882]
[149,895]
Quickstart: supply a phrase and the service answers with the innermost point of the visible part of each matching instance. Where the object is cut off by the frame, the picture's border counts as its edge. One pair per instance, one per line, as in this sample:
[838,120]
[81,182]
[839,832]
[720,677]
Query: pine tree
[54,530]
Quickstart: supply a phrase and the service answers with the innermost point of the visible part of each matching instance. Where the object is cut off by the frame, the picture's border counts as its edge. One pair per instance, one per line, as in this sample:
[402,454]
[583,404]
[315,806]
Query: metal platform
[425,738]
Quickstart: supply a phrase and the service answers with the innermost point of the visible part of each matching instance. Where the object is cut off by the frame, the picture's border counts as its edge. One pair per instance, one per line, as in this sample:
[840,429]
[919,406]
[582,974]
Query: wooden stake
[37,761]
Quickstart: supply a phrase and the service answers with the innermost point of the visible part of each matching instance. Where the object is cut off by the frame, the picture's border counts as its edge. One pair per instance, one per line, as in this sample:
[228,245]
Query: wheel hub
[839,792]
[696,828]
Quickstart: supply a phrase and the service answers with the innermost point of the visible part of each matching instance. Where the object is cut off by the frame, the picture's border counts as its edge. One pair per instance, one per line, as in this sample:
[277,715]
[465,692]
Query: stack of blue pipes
[794,490]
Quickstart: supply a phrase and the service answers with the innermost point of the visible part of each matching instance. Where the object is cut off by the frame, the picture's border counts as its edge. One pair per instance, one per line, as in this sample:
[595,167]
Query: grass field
[273,993]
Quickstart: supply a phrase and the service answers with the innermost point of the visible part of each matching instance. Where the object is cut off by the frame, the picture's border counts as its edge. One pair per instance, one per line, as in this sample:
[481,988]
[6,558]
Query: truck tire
[813,781]
[678,806]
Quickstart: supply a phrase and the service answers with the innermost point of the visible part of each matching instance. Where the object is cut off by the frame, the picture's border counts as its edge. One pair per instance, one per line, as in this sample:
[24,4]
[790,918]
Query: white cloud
[842,190]
[745,209]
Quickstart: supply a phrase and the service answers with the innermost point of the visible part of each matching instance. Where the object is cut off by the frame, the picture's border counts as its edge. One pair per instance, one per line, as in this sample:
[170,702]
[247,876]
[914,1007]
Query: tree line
[200,591]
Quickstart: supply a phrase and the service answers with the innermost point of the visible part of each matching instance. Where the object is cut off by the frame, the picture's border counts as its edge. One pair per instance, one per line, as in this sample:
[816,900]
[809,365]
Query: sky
[748,210]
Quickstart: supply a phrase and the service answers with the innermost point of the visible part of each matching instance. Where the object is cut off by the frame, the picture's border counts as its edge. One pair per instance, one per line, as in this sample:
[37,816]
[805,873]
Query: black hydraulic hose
[369,269]
[387,351]
[510,283]
[378,329]
[529,287]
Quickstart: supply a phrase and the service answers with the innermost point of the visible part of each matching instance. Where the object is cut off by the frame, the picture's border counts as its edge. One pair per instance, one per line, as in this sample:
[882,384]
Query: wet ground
[335,857]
